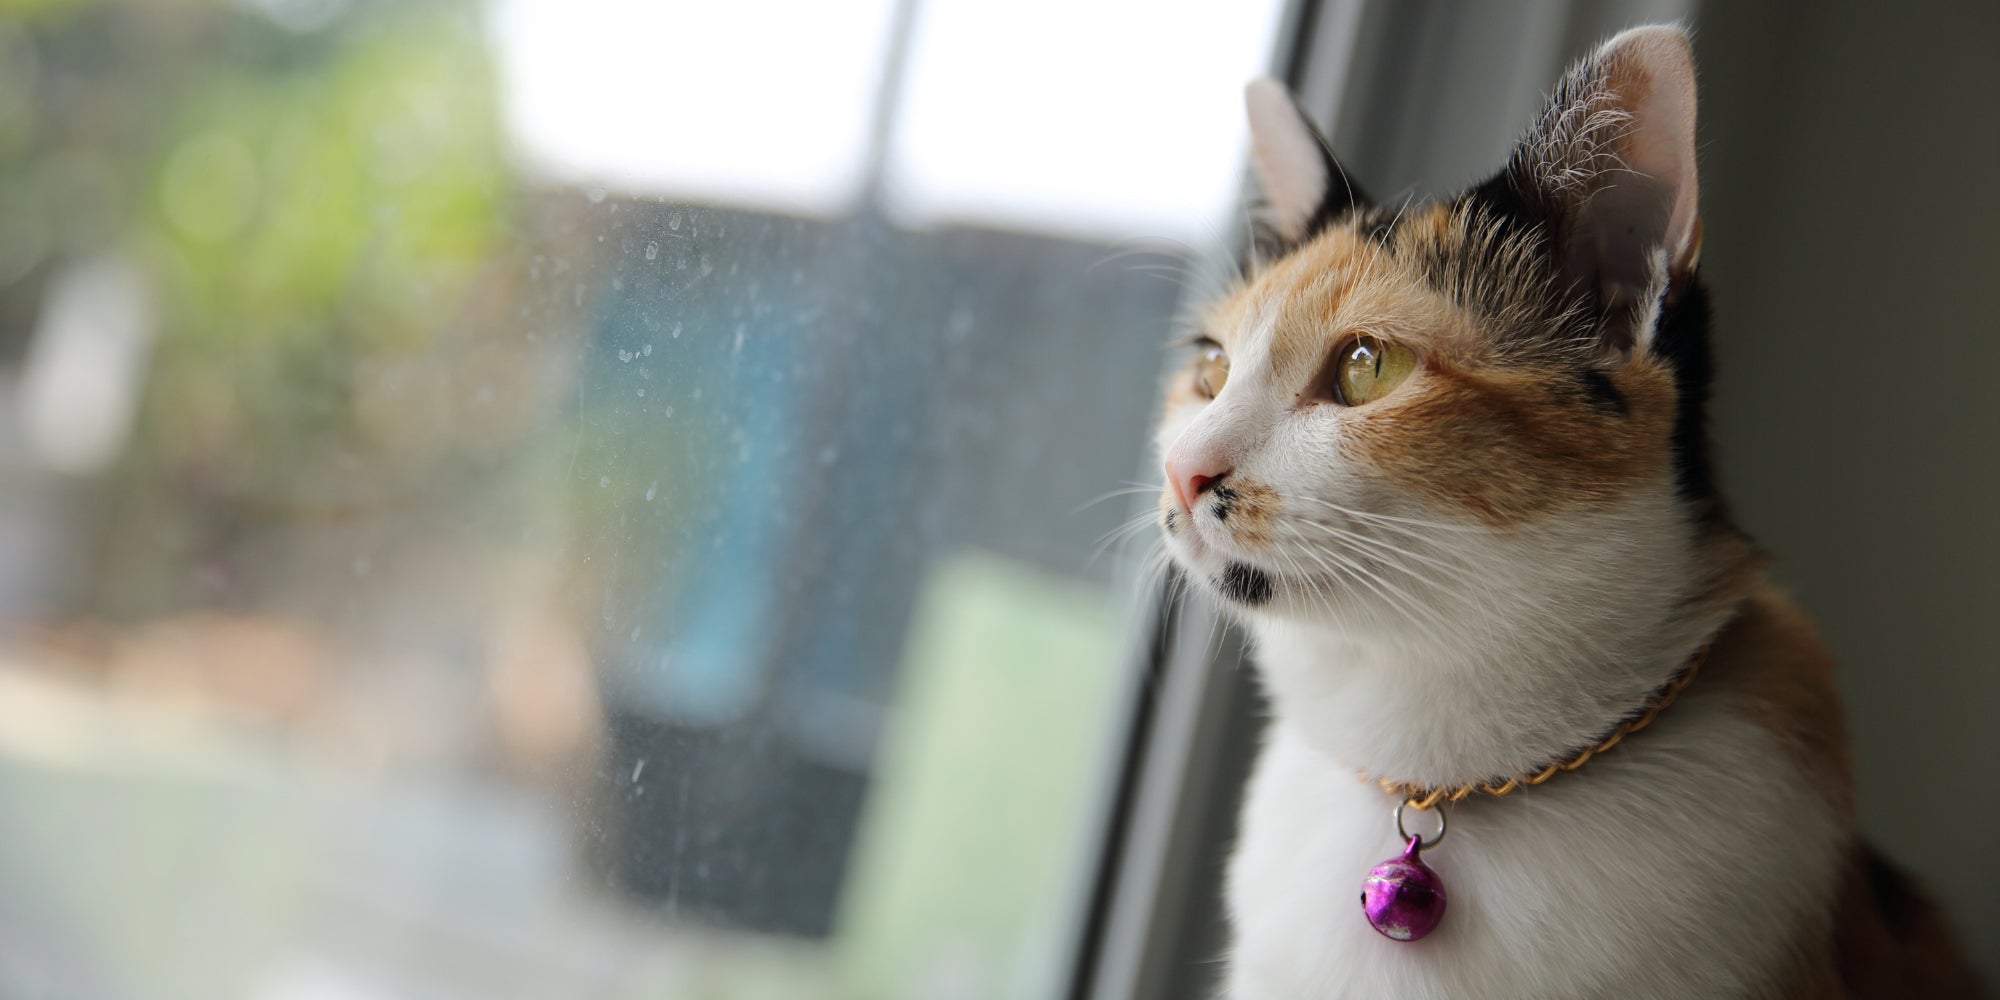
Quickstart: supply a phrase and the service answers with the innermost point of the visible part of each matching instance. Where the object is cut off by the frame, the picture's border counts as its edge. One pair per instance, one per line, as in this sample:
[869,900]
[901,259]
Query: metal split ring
[1404,835]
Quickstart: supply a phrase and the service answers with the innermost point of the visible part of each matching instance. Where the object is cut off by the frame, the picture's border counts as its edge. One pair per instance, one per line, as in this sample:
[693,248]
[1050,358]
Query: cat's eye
[1368,368]
[1211,370]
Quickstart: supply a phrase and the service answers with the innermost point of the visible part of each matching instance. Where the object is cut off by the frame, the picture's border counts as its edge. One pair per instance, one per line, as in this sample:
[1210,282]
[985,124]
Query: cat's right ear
[1608,172]
[1304,188]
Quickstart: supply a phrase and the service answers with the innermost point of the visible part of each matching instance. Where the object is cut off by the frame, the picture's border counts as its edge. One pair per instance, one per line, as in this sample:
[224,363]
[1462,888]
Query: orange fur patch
[1508,447]
[1883,939]
[1253,509]
[1504,443]
[1773,663]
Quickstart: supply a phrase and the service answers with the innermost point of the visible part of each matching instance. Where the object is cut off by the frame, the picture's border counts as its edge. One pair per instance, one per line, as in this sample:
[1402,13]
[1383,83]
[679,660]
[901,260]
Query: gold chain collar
[1423,797]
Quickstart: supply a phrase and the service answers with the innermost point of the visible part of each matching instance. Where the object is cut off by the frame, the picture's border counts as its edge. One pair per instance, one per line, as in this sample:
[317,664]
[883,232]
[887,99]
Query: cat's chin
[1243,587]
[1244,584]
[1236,582]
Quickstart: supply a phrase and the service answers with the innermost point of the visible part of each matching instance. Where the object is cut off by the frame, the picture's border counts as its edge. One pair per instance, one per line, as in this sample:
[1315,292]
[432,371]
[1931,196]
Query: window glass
[577,498]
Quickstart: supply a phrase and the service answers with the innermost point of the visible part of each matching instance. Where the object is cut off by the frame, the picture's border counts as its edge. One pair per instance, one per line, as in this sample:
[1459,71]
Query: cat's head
[1421,411]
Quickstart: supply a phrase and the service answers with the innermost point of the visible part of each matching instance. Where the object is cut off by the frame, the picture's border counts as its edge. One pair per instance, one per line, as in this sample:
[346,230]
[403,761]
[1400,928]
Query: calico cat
[1448,463]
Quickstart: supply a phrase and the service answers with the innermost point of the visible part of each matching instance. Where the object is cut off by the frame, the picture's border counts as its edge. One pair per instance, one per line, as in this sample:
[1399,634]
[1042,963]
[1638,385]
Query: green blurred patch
[972,845]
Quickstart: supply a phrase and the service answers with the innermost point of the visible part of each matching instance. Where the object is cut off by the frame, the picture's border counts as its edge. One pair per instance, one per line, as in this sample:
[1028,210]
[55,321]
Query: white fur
[1681,867]
[1684,863]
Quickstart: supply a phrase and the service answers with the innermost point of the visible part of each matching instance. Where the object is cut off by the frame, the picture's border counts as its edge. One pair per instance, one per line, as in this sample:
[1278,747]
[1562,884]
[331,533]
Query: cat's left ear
[1609,170]
[1304,188]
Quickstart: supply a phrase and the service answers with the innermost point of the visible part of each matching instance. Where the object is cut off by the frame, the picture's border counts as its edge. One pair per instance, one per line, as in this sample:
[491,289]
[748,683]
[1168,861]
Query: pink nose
[1192,477]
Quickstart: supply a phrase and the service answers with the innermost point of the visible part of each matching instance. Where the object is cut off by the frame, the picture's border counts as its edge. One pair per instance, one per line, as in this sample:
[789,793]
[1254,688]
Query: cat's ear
[1609,170]
[1304,188]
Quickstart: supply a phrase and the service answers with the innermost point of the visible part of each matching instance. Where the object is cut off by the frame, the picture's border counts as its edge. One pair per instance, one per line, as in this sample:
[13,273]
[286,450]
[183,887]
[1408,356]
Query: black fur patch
[1895,898]
[1246,584]
[1343,197]
[1680,338]
[1602,393]
[1225,501]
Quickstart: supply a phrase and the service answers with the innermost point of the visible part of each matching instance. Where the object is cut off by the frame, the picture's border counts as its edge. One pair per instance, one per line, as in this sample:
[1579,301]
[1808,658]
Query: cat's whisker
[1376,611]
[1356,533]
[1383,551]
[1388,553]
[1388,592]
[1179,258]
[1389,518]
[1124,533]
[1127,490]
[1426,610]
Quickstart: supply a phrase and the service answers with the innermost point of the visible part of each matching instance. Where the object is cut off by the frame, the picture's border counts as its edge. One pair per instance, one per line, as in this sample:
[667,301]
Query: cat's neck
[1432,708]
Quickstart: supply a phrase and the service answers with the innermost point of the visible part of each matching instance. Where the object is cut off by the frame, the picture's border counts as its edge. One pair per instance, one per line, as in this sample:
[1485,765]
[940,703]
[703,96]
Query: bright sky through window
[764,103]
[1105,119]
[1117,118]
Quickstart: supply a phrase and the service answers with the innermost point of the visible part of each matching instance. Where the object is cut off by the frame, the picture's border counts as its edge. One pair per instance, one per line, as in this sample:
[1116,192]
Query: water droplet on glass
[624,355]
[828,455]
[674,219]
[959,324]
[639,768]
[653,488]
[595,194]
[646,351]
[603,482]
[670,411]
[652,251]
[677,331]
[642,390]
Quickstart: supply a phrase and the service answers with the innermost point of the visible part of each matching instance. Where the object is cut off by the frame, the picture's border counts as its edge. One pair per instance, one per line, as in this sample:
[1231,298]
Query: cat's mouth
[1233,578]
[1209,559]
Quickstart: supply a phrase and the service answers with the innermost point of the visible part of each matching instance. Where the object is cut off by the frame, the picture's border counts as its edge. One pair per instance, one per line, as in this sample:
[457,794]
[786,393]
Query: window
[601,498]
[543,499]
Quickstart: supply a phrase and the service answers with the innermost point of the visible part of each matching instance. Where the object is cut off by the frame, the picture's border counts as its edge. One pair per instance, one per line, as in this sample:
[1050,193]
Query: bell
[1403,897]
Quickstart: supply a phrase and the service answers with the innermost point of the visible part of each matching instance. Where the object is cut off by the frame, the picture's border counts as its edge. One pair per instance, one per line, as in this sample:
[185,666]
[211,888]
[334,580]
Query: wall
[1853,241]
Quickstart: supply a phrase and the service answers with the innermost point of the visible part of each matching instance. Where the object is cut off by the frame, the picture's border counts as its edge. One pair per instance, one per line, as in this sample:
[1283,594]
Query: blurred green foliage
[312,207]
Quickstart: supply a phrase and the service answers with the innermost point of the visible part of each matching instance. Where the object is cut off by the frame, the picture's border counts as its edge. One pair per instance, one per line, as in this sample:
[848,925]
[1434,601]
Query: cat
[1447,462]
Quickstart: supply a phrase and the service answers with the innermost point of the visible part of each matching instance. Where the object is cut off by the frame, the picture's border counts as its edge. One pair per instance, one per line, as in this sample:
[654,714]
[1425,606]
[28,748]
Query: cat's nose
[1191,476]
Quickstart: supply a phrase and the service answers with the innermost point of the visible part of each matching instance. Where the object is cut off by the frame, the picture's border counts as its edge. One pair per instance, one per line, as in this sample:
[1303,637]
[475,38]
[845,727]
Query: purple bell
[1403,897]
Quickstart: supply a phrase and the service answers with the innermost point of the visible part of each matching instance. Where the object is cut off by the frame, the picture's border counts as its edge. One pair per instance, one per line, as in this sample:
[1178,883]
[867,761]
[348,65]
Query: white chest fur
[1689,862]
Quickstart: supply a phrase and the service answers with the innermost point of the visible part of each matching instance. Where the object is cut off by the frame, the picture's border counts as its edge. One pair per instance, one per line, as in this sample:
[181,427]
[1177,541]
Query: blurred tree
[316,200]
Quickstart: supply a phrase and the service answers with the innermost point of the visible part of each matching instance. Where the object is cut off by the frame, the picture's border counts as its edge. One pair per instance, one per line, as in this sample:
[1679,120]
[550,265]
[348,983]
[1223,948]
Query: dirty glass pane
[536,498]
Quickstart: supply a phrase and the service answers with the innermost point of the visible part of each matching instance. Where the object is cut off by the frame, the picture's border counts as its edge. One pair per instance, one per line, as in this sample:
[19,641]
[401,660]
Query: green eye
[1211,372]
[1370,368]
